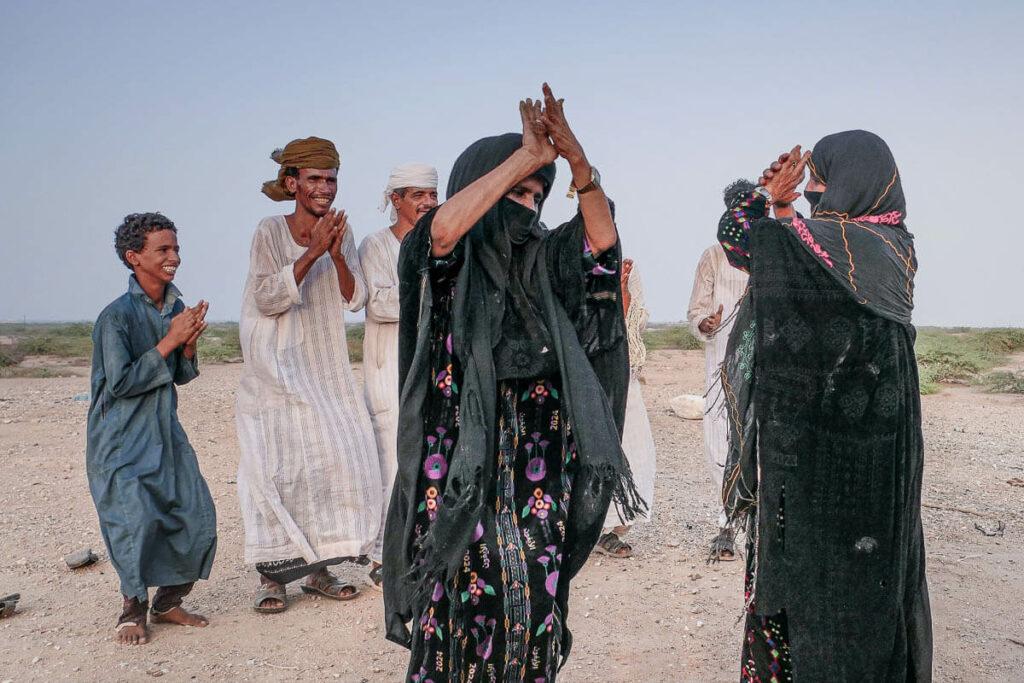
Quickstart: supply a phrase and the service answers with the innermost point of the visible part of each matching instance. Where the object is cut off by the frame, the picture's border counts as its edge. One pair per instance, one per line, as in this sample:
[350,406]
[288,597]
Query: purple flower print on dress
[438,592]
[435,466]
[550,563]
[483,633]
[536,469]
[478,532]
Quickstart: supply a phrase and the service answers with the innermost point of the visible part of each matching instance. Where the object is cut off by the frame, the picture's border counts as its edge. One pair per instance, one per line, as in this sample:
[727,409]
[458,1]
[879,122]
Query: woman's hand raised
[535,136]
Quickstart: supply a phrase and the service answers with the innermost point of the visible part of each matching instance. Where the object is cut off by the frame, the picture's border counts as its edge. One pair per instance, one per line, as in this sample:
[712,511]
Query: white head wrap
[407,175]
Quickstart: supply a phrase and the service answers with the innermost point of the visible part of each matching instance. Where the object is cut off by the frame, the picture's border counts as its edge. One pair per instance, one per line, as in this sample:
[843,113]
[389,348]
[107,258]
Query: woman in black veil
[514,370]
[826,453]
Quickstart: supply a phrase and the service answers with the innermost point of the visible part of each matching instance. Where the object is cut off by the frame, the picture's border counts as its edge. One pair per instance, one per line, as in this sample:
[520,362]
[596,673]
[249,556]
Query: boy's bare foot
[130,633]
[179,616]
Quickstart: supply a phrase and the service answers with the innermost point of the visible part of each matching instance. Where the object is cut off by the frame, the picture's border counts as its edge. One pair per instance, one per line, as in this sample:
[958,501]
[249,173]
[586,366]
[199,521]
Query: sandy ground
[661,616]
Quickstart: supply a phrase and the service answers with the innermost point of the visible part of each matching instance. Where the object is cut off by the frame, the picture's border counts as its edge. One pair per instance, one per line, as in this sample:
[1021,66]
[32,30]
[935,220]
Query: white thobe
[637,438]
[715,284]
[308,477]
[378,255]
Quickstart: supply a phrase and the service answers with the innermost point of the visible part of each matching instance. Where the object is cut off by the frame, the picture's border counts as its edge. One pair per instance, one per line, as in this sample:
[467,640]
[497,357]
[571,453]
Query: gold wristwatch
[595,182]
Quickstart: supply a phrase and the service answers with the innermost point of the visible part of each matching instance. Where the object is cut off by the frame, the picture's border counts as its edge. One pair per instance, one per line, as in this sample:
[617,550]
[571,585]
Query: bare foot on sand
[129,633]
[181,617]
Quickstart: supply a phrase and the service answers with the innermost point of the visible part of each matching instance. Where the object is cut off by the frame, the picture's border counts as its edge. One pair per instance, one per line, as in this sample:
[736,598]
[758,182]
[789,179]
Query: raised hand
[324,232]
[783,176]
[341,227]
[535,136]
[557,127]
[627,270]
[200,318]
[183,326]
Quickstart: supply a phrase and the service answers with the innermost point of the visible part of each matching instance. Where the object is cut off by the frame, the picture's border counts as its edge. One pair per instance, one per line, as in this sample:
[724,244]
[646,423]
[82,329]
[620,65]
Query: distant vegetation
[945,355]
[967,356]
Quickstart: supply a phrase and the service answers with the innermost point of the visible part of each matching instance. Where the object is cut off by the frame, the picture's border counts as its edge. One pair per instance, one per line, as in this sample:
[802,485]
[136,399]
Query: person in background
[717,289]
[410,193]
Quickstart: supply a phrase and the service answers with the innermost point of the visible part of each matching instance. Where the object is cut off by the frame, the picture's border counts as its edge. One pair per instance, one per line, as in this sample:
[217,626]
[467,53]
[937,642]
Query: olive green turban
[308,153]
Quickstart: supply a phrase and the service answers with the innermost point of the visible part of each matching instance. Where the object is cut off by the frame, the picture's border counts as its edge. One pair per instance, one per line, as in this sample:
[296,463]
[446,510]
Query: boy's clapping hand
[199,310]
[184,331]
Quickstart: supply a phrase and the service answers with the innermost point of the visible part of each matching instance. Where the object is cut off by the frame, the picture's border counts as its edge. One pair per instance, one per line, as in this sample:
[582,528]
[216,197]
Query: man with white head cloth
[411,192]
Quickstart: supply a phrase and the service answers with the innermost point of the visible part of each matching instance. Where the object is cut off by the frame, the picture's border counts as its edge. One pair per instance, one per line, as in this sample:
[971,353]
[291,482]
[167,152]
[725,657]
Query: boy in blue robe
[156,513]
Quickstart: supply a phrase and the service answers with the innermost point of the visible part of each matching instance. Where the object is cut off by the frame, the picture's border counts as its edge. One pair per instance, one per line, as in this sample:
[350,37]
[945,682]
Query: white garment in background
[637,439]
[715,283]
[378,255]
[308,477]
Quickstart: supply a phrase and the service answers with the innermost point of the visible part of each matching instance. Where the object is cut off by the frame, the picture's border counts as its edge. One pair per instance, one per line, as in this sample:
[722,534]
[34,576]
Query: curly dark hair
[735,190]
[131,234]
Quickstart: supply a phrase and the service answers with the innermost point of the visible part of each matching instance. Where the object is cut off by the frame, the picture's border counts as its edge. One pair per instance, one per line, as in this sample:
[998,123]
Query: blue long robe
[156,513]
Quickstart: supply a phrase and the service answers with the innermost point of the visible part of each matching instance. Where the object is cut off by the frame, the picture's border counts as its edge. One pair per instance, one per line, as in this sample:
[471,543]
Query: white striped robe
[308,478]
[378,255]
[715,283]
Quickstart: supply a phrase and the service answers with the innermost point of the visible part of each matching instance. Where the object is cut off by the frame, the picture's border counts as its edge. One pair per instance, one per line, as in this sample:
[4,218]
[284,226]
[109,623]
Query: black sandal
[611,545]
[723,547]
[8,604]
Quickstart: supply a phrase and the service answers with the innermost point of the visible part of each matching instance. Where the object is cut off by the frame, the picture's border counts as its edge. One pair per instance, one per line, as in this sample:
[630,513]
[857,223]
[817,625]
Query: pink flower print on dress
[430,627]
[430,503]
[539,505]
[539,391]
[445,382]
[477,587]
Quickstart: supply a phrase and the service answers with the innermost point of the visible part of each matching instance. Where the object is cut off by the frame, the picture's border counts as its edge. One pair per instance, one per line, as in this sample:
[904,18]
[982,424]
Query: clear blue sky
[110,108]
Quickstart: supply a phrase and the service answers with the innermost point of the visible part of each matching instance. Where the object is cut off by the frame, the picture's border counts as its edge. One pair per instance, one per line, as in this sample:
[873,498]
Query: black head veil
[857,231]
[860,174]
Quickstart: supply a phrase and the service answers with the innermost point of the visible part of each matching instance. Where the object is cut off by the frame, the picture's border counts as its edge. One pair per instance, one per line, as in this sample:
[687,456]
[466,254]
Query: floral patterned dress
[497,619]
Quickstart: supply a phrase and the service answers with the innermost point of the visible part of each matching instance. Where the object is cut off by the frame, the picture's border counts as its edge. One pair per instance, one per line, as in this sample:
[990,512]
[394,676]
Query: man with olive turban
[308,478]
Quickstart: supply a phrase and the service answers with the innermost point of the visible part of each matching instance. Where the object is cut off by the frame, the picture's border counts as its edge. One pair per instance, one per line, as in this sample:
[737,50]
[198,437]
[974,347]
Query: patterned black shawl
[826,453]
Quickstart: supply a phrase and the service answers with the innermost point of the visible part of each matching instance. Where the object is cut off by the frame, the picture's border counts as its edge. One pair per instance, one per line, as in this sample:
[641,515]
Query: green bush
[355,334]
[1003,382]
[676,337]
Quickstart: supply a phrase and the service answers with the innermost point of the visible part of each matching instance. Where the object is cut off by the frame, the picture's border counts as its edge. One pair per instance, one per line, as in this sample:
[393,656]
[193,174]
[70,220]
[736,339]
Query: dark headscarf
[860,174]
[858,230]
[511,266]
